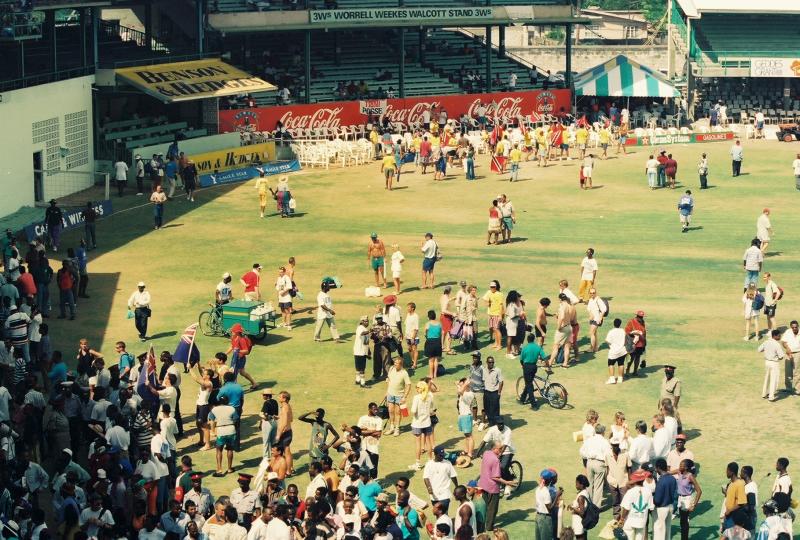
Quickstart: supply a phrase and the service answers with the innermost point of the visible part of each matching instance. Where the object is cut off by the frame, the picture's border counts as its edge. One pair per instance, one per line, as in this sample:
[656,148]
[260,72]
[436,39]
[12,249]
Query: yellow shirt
[605,136]
[374,137]
[540,138]
[495,300]
[388,163]
[417,143]
[581,136]
[262,185]
[484,135]
[528,138]
[434,127]
[435,141]
[515,155]
[500,149]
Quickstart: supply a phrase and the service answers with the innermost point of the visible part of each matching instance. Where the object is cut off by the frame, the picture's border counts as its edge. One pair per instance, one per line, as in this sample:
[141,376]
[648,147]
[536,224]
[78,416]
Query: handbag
[434,419]
[457,329]
[383,410]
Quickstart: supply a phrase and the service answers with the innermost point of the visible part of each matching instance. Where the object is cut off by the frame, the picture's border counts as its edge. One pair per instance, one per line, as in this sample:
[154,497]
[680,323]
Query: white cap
[272,476]
[101,474]
[226,275]
[141,284]
[67,451]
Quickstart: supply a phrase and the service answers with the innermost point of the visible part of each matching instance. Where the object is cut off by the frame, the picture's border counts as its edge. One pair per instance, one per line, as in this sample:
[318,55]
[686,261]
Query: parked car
[789,132]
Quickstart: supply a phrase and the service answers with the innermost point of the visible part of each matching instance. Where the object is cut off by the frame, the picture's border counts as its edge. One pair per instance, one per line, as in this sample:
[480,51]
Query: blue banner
[71,218]
[240,175]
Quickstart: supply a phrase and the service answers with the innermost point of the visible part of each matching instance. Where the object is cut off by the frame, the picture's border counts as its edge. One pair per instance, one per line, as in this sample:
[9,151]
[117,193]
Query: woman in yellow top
[375,139]
[388,167]
[262,185]
[542,150]
[495,311]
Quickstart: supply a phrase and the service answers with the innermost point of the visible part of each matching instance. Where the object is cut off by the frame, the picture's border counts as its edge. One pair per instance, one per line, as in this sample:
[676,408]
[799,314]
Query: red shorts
[575,330]
[447,322]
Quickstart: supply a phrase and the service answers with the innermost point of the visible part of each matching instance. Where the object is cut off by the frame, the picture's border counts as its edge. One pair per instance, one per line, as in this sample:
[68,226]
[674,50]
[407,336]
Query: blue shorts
[226,441]
[465,424]
[508,223]
[285,305]
[395,400]
[238,362]
[421,431]
[750,276]
[414,341]
[428,263]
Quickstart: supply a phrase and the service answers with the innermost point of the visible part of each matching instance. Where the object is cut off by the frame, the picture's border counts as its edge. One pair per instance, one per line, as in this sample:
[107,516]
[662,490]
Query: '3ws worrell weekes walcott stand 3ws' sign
[198,79]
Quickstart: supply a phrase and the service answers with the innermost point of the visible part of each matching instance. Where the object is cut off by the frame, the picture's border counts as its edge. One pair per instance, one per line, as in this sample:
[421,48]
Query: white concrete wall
[53,118]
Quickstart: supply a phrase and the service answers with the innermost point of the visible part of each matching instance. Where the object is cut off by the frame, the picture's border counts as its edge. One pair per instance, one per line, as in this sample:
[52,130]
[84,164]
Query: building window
[631,32]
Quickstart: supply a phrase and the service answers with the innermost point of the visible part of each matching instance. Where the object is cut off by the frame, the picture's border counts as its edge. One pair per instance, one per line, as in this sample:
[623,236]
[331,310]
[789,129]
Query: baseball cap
[493,284]
[462,283]
[373,235]
[472,484]
[140,284]
[439,451]
[669,367]
[476,354]
[382,497]
[226,275]
[272,476]
[257,265]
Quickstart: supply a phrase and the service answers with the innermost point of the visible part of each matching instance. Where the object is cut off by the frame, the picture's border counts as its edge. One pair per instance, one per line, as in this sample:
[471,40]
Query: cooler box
[241,311]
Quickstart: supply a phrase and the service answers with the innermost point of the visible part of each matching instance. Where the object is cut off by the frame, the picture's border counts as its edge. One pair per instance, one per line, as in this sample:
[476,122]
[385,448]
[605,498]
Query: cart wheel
[515,471]
[788,137]
[206,324]
[556,395]
[262,333]
[520,386]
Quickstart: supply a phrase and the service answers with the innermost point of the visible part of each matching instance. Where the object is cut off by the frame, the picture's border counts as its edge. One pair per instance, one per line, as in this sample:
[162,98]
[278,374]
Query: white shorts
[395,275]
[685,501]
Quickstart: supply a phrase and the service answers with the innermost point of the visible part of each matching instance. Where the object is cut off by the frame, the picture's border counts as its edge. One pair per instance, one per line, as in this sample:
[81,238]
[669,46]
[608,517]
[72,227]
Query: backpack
[758,302]
[591,515]
[608,307]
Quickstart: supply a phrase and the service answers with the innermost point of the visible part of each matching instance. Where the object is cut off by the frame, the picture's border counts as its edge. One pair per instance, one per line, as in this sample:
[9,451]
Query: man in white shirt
[752,261]
[636,506]
[120,176]
[791,339]
[616,352]
[641,447]
[772,295]
[95,518]
[139,164]
[796,170]
[662,442]
[437,475]
[325,314]
[563,287]
[278,528]
[774,350]
[594,450]
[764,229]
[512,81]
[139,303]
[224,291]
[737,155]
[588,274]
[371,426]
[597,308]
[284,287]
[429,250]
[317,480]
[159,449]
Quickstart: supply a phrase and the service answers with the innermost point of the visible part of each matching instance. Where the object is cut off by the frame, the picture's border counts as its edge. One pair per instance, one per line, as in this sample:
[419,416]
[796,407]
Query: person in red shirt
[670,170]
[662,165]
[425,151]
[238,351]
[252,283]
[556,140]
[66,297]
[638,331]
[25,283]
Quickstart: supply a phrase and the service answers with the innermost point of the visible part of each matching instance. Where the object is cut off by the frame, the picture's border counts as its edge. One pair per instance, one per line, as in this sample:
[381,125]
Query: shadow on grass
[517,239]
[773,253]
[698,228]
[513,516]
[163,335]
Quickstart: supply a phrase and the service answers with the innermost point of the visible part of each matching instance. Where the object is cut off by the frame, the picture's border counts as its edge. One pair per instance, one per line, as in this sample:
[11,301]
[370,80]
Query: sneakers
[396,431]
[511,356]
[507,491]
[415,467]
[746,338]
[481,426]
[611,380]
[389,429]
[619,380]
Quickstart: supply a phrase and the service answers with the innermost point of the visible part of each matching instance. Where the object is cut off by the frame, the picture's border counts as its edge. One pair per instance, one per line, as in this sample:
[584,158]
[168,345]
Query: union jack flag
[148,373]
[187,351]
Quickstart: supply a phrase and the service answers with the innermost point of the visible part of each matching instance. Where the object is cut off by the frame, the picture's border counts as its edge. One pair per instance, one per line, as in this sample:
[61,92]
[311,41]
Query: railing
[158,60]
[114,29]
[527,63]
[45,78]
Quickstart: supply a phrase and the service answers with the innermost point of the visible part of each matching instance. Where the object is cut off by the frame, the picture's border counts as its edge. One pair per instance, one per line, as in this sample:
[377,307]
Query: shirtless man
[284,435]
[565,319]
[540,324]
[376,254]
[277,463]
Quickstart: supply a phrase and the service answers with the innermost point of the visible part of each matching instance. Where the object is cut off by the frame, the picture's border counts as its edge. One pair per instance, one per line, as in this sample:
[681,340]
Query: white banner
[775,67]
[372,107]
[399,15]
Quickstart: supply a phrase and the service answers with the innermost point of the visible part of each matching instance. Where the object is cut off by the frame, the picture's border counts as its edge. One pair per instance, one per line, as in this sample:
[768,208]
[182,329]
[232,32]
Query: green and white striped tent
[623,77]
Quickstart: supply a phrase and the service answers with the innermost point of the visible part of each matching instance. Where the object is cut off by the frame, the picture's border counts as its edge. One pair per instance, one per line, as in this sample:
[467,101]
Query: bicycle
[515,474]
[211,321]
[554,393]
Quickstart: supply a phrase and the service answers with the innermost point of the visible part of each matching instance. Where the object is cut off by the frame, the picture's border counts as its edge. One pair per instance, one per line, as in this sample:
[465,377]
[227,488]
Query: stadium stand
[727,35]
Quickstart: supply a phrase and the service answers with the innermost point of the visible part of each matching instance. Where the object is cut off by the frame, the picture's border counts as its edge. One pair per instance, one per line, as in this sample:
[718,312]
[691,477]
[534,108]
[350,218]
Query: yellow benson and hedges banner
[197,79]
[234,158]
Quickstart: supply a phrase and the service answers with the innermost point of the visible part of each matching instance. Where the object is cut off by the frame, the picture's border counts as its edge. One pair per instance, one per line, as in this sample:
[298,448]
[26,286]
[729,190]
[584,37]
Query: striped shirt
[142,430]
[17,328]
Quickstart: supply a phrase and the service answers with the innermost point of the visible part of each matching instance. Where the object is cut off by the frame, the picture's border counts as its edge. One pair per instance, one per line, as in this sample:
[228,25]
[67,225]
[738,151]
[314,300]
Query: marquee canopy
[623,77]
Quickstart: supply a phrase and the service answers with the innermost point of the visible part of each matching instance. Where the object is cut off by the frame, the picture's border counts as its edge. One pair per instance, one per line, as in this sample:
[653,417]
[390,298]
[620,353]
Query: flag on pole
[147,373]
[498,164]
[187,352]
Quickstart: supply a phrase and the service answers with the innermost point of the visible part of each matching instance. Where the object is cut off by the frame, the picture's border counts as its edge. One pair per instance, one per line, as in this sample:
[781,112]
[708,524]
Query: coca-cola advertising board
[503,105]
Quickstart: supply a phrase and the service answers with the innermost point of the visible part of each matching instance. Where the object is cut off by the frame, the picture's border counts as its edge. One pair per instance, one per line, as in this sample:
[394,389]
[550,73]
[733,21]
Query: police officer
[246,501]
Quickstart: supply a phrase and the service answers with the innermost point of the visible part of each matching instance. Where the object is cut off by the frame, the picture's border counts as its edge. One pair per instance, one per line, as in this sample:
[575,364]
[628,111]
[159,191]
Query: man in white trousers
[774,351]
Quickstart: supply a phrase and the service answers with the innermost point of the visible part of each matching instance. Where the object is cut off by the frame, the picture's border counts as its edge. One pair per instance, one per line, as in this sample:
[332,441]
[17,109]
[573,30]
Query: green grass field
[690,285]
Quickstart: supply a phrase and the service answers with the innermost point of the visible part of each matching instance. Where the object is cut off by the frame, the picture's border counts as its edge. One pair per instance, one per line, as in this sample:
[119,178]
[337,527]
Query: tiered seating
[745,96]
[721,35]
[450,64]
[136,132]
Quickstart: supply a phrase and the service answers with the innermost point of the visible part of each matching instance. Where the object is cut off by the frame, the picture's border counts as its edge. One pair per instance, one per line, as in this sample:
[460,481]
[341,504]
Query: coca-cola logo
[412,115]
[545,102]
[319,118]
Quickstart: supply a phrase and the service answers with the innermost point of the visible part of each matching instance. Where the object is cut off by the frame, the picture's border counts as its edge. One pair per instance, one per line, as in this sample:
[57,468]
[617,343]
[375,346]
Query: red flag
[498,164]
